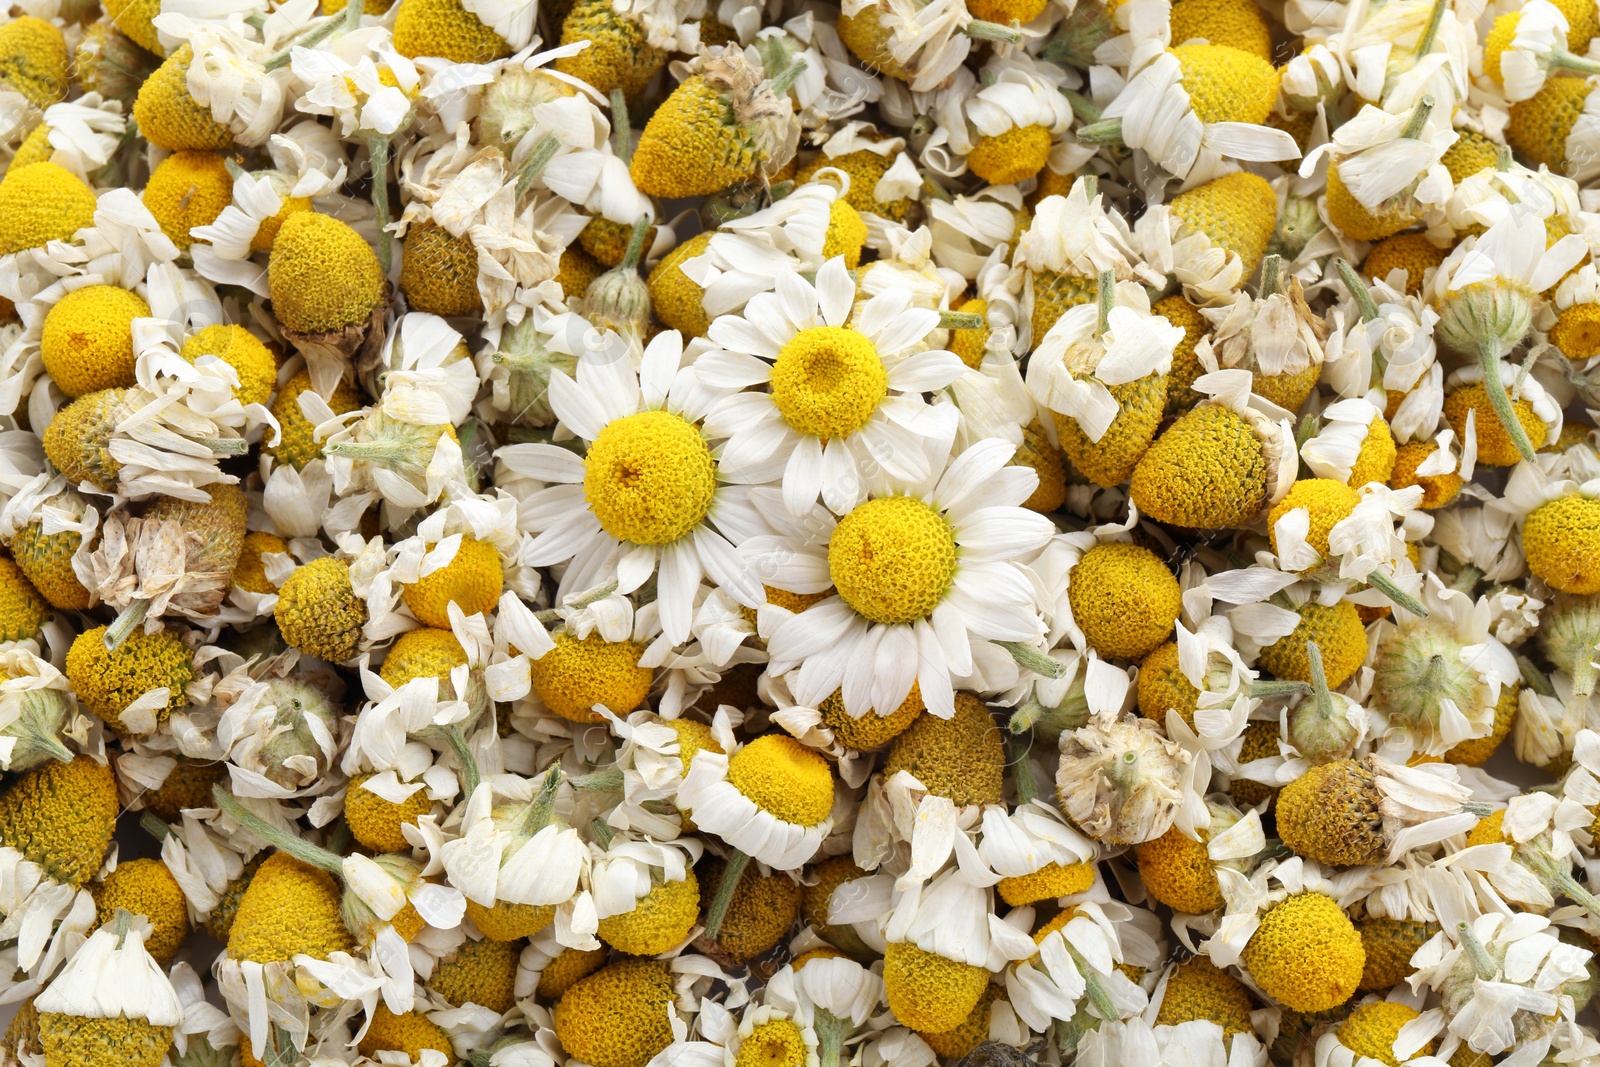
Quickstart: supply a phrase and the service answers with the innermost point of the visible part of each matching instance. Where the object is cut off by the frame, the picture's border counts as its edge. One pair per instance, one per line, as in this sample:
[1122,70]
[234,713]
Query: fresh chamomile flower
[845,378]
[1484,295]
[770,800]
[646,894]
[111,1003]
[646,495]
[925,565]
[1102,371]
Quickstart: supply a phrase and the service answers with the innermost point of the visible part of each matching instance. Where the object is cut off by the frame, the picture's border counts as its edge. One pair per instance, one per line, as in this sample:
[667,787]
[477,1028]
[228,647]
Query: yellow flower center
[828,381]
[649,478]
[778,1043]
[784,778]
[893,560]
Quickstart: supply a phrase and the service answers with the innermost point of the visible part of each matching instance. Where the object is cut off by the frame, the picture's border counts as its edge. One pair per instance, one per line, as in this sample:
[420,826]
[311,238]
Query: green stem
[1030,659]
[1271,275]
[1091,186]
[226,446]
[1026,716]
[1309,427]
[605,781]
[50,745]
[1534,678]
[1431,30]
[1482,962]
[469,763]
[543,152]
[1467,578]
[1267,688]
[126,622]
[1500,400]
[1167,288]
[1097,993]
[1083,108]
[621,127]
[378,149]
[235,171]
[961,320]
[1022,771]
[1419,119]
[298,847]
[543,808]
[830,1030]
[315,36]
[783,82]
[601,831]
[1358,289]
[151,824]
[731,873]
[1106,298]
[1103,132]
[1319,682]
[121,924]
[1567,61]
[1386,585]
[1568,886]
[583,600]
[630,258]
[980,30]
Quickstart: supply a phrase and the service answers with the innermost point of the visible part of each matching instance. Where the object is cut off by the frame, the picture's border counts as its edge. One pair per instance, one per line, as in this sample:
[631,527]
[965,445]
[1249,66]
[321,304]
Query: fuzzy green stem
[226,446]
[1267,688]
[630,258]
[1419,119]
[1585,674]
[830,1037]
[784,81]
[608,780]
[1022,770]
[1083,108]
[1534,678]
[457,740]
[1467,578]
[1564,883]
[1106,297]
[601,831]
[121,924]
[50,745]
[1564,60]
[151,824]
[1431,30]
[282,1052]
[382,453]
[1434,675]
[543,152]
[980,30]
[1030,659]
[234,170]
[315,36]
[126,622]
[1097,993]
[543,808]
[1500,400]
[1271,275]
[1319,682]
[1026,716]
[582,600]
[961,320]
[298,847]
[1103,132]
[378,149]
[1166,289]
[1481,960]
[621,128]
[1386,585]
[1309,427]
[731,873]
[1358,289]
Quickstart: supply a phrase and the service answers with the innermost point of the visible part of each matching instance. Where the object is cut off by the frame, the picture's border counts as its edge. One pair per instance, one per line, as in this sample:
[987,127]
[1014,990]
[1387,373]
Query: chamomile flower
[845,384]
[922,565]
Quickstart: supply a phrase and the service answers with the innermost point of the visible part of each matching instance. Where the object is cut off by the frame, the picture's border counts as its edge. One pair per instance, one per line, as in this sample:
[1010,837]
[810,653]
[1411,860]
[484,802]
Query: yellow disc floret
[47,561]
[649,478]
[290,908]
[1178,872]
[1050,882]
[1227,85]
[1207,471]
[439,271]
[1199,989]
[893,559]
[318,611]
[1124,599]
[785,778]
[581,672]
[1013,156]
[22,609]
[928,992]
[1306,953]
[1235,23]
[40,203]
[775,1043]
[1371,1029]
[1331,814]
[249,574]
[1540,125]
[472,580]
[87,339]
[1389,945]
[78,439]
[33,60]
[188,189]
[869,730]
[677,301]
[847,233]
[1356,220]
[1162,687]
[409,1033]
[1561,540]
[107,682]
[170,118]
[1471,153]
[145,887]
[763,908]
[1475,751]
[827,381]
[1326,501]
[961,758]
[61,816]
[429,652]
[1375,462]
[376,822]
[1237,212]
[100,1042]
[240,349]
[323,276]
[570,967]
[1338,634]
[974,1029]
[1437,489]
[446,29]
[618,1016]
[1185,361]
[1410,252]
[693,144]
[660,920]
[619,55]
[297,446]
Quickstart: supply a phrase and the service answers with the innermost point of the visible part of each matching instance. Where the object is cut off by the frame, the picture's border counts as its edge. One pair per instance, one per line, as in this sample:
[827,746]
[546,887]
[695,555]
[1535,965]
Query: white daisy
[647,499]
[921,568]
[844,390]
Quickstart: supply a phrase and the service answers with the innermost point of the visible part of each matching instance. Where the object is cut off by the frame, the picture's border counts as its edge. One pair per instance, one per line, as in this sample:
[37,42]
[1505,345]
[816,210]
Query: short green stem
[1358,289]
[731,873]
[1431,30]
[314,37]
[1022,771]
[1098,996]
[128,621]
[1482,962]
[1467,578]
[980,30]
[1386,585]
[1534,678]
[543,808]
[1030,659]
[543,152]
[457,739]
[1577,64]
[1083,108]
[1103,132]
[378,149]
[784,81]
[583,600]
[830,1030]
[621,128]
[298,847]
[630,258]
[1106,298]
[1271,275]
[226,446]
[1026,716]
[1319,682]
[1268,688]
[609,780]
[961,320]
[151,824]
[1419,119]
